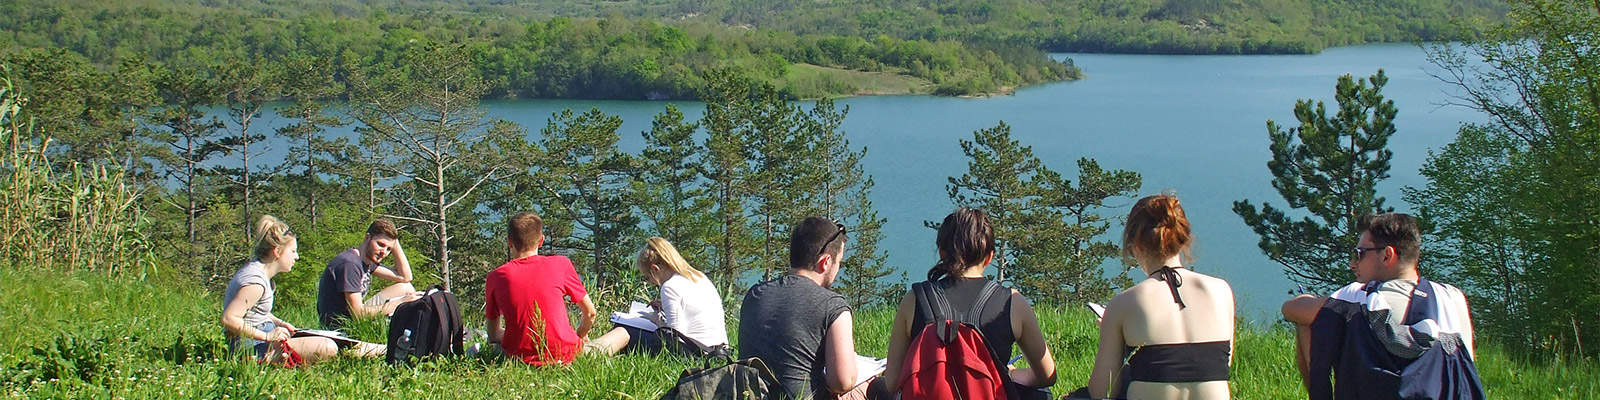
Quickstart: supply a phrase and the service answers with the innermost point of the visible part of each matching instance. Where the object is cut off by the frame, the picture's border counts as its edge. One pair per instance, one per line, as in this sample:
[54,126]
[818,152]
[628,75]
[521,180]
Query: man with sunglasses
[1386,320]
[800,328]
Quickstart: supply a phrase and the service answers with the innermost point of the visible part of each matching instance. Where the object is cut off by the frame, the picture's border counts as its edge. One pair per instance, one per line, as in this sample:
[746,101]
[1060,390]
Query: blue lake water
[1195,125]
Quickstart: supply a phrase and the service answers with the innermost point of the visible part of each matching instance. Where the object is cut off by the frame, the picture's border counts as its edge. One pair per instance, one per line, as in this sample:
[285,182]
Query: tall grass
[87,335]
[73,216]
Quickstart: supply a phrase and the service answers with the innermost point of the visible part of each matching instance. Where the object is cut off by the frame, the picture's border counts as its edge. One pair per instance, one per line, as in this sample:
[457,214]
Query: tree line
[520,57]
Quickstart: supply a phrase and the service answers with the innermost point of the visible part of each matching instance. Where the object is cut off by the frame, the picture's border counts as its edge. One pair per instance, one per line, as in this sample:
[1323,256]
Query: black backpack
[426,327]
[743,379]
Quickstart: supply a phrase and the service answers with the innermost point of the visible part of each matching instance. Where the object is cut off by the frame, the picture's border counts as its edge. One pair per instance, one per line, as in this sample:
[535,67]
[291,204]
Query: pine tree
[422,124]
[1045,227]
[246,87]
[308,82]
[583,180]
[1329,167]
[188,140]
[724,166]
[842,188]
[669,183]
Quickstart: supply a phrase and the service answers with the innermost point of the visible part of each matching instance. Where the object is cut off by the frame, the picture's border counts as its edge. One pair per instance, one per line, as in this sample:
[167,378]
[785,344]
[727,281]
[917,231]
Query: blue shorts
[256,347]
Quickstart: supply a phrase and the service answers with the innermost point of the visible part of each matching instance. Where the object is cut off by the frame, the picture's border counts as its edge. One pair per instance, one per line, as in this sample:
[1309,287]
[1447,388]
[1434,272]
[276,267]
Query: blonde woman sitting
[689,308]
[247,319]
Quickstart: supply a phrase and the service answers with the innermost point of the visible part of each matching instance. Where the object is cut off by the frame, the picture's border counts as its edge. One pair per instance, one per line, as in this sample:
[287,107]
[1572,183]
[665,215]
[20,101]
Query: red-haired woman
[1175,329]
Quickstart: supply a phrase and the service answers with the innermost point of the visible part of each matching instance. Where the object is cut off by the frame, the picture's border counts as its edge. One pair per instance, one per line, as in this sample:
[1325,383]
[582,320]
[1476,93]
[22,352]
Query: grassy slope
[808,81]
[142,340]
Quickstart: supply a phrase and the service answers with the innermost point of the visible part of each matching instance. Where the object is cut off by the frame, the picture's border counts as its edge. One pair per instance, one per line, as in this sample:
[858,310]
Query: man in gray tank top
[797,326]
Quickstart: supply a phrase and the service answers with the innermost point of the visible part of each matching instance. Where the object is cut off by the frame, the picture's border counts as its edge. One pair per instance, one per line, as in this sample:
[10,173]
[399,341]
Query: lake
[1195,125]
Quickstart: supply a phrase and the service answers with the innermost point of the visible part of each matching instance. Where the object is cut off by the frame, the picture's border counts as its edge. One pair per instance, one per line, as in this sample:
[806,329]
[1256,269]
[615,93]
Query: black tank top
[994,321]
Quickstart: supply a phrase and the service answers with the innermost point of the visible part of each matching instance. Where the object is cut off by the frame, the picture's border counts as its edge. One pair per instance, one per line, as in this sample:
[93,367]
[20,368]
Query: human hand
[287,325]
[278,334]
[656,304]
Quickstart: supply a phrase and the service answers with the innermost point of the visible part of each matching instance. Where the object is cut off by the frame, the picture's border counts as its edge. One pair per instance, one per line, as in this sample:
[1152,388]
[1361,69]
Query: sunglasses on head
[836,234]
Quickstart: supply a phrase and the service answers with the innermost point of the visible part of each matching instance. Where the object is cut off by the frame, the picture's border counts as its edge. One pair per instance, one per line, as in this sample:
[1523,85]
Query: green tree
[188,138]
[424,126]
[724,166]
[1329,167]
[246,88]
[308,82]
[1045,227]
[841,190]
[669,183]
[1514,198]
[583,179]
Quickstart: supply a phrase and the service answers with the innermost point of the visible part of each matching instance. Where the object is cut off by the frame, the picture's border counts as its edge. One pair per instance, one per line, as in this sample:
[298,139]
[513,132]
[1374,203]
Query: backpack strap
[973,315]
[1422,306]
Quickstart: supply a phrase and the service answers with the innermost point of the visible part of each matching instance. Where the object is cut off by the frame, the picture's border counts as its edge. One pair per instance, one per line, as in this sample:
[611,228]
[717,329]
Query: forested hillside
[521,56]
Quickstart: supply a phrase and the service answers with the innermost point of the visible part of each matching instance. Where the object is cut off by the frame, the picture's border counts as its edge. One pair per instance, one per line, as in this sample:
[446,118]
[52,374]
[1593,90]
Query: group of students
[1167,337]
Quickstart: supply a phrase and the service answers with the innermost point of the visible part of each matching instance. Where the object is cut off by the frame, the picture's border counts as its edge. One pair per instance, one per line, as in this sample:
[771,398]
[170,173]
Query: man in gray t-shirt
[797,326]
[344,283]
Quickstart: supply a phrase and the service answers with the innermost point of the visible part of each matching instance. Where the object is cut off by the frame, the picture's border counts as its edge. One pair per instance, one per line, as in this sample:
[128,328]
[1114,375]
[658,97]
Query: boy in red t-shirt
[528,294]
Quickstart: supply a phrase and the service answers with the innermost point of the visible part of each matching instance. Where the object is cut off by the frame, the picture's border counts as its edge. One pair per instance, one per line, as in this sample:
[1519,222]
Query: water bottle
[405,340]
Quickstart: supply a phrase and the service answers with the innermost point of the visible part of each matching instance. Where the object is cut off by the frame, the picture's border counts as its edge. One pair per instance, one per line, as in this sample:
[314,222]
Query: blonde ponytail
[658,251]
[271,234]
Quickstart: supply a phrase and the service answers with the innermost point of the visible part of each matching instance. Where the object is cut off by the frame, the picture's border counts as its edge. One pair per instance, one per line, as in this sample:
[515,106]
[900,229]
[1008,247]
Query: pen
[1014,359]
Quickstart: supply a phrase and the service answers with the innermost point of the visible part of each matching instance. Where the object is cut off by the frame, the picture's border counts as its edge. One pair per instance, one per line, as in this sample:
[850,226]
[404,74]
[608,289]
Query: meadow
[90,335]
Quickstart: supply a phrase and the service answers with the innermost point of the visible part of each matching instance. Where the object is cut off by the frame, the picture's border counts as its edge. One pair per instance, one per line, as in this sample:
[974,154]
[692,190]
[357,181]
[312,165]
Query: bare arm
[587,321]
[1108,358]
[233,316]
[402,267]
[1041,369]
[899,341]
[840,358]
[1302,309]
[497,330]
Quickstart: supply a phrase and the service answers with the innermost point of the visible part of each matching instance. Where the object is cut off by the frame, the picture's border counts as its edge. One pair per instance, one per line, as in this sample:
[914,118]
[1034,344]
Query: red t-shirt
[528,293]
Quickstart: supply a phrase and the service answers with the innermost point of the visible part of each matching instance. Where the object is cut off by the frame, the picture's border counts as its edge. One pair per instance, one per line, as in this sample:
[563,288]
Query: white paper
[335,335]
[868,367]
[1099,310]
[635,317]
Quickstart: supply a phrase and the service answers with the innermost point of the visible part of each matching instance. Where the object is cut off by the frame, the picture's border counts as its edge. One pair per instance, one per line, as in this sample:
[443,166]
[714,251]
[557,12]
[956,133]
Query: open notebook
[335,335]
[635,317]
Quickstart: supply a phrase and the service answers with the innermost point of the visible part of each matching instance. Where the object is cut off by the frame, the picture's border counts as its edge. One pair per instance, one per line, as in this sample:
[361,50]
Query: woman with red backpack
[953,334]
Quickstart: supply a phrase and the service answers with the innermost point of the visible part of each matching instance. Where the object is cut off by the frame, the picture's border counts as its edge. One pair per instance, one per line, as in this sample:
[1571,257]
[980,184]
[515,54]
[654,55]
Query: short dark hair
[807,241]
[1397,230]
[524,230]
[383,228]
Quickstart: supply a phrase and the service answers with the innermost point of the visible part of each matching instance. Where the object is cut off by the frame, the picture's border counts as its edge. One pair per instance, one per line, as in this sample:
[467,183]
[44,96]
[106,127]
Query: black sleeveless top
[994,321]
[1177,362]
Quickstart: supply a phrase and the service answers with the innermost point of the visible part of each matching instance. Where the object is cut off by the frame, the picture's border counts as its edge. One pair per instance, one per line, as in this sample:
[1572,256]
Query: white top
[1453,315]
[694,309]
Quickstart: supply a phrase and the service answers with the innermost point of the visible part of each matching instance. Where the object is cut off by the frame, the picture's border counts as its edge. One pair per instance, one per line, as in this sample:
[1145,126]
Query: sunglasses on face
[1362,251]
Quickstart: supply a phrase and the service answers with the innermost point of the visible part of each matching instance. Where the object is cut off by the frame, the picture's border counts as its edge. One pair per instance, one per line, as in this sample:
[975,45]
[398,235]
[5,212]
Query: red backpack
[949,358]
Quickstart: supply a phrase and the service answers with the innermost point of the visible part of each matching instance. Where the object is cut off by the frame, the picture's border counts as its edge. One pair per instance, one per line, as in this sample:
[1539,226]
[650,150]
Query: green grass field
[89,336]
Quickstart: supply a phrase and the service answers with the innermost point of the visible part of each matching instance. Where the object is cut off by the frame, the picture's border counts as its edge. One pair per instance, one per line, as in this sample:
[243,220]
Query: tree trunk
[443,226]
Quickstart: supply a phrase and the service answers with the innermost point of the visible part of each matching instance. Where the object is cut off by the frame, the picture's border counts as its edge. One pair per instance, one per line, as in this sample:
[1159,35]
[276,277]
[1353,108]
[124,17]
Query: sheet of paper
[634,317]
[335,335]
[868,367]
[1099,310]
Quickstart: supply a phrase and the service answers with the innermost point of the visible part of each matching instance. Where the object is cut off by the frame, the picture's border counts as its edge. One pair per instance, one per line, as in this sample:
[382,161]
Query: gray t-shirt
[783,322]
[252,273]
[346,273]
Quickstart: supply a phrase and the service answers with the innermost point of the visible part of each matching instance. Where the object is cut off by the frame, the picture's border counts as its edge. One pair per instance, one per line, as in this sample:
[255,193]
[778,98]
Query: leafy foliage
[1513,199]
[1329,166]
[1046,229]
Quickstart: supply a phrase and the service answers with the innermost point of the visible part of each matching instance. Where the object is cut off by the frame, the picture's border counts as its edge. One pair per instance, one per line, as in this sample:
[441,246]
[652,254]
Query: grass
[809,81]
[86,335]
